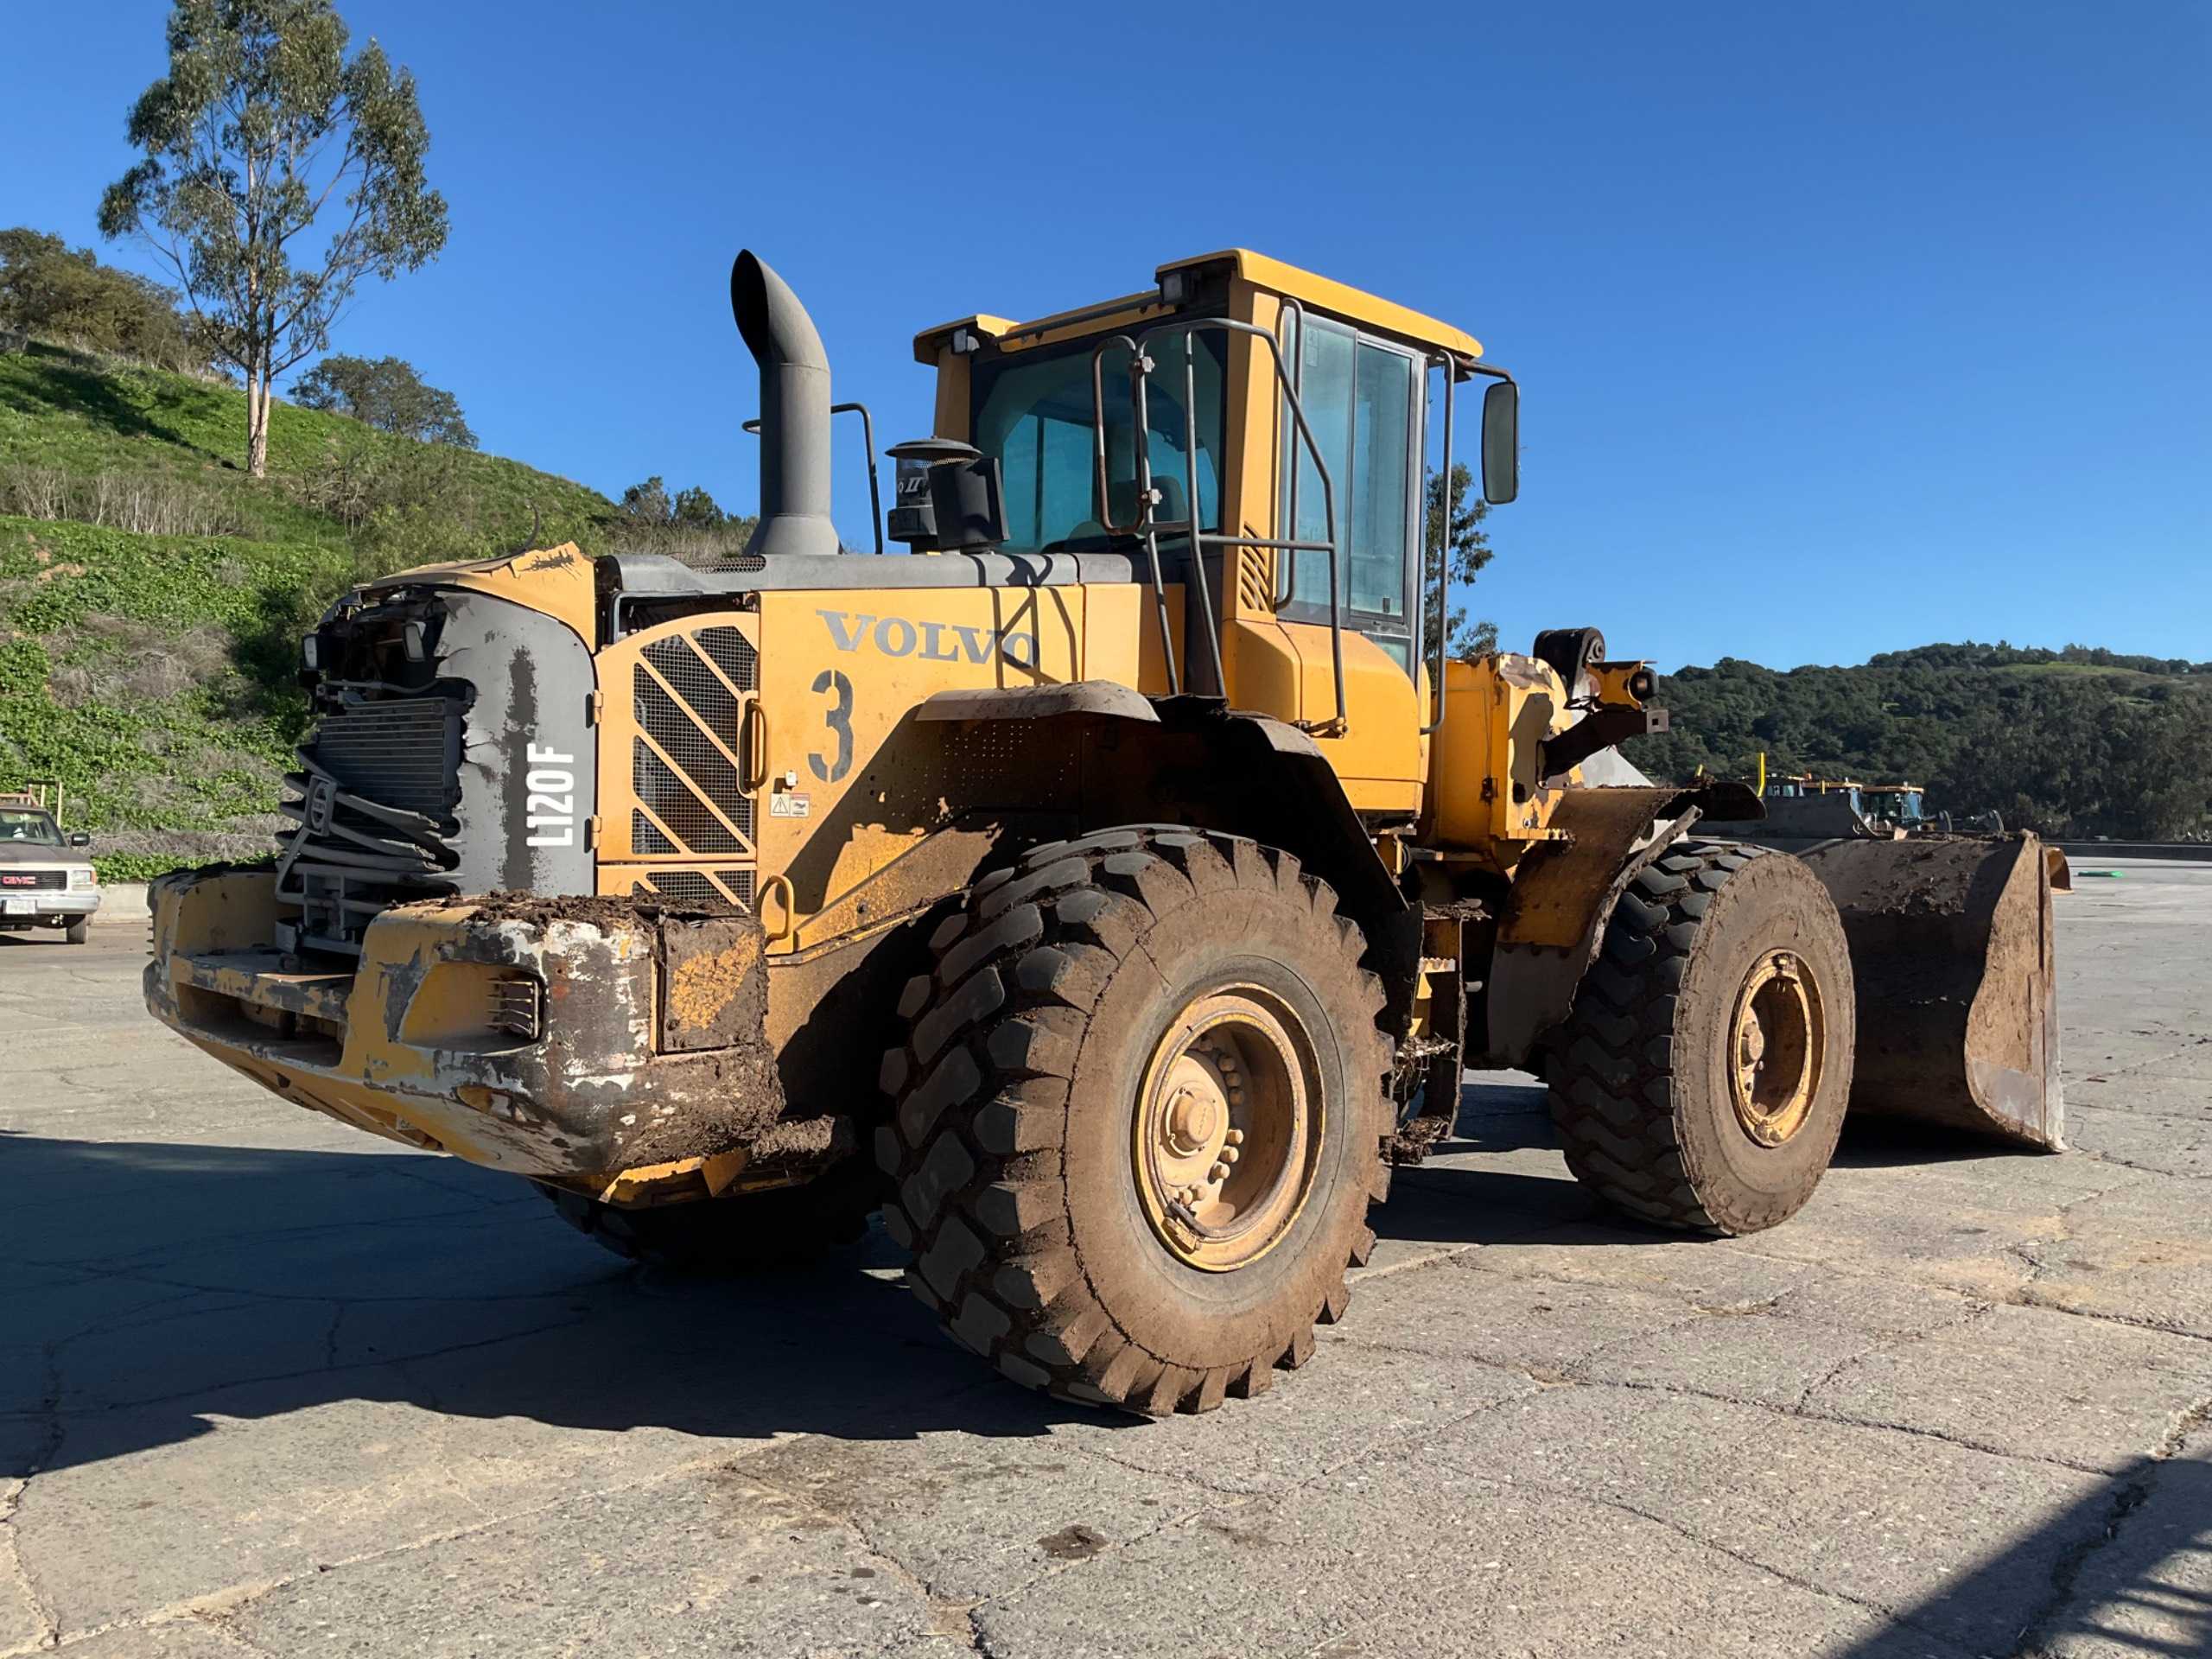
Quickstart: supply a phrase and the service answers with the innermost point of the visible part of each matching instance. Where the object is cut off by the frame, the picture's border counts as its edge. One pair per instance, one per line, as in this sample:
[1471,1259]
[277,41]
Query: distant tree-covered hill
[2078,741]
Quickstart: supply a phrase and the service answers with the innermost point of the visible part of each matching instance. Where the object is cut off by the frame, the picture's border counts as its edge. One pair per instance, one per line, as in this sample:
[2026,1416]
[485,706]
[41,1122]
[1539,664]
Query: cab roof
[1319,293]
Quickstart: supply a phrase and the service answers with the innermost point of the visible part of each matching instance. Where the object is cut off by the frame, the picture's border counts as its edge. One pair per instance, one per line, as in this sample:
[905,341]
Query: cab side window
[1360,398]
[1033,413]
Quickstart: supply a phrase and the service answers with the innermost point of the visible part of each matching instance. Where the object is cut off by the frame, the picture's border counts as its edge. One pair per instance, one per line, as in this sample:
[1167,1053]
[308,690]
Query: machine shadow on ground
[155,1286]
[155,1283]
[1522,1190]
[240,1282]
[2129,1582]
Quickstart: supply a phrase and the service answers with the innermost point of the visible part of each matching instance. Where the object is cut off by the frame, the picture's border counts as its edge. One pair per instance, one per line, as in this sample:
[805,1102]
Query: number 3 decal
[839,718]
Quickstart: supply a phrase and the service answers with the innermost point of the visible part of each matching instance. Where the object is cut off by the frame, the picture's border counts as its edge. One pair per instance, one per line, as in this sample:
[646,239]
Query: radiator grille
[374,800]
[30,881]
[644,838]
[395,752]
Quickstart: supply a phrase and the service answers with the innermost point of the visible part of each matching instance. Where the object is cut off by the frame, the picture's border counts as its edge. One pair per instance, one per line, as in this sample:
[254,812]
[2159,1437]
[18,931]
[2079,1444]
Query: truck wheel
[1700,1080]
[1139,1116]
[777,1227]
[78,932]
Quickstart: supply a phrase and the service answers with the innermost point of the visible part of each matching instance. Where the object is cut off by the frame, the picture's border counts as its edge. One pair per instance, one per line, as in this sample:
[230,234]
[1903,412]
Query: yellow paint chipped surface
[702,986]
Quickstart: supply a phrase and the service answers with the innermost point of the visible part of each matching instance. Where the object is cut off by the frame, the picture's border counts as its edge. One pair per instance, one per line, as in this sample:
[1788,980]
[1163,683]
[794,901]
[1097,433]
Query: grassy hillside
[2119,747]
[152,596]
[141,449]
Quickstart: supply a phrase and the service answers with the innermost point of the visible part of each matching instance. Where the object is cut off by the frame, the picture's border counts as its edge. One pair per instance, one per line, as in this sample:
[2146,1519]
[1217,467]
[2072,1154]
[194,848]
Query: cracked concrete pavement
[270,1386]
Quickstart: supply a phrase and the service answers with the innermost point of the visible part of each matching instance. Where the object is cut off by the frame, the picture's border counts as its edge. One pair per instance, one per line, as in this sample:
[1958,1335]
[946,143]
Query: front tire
[1702,1079]
[1140,1114]
[79,932]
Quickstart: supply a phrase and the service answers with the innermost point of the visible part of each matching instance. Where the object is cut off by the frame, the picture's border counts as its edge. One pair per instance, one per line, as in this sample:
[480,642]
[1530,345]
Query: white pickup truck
[47,877]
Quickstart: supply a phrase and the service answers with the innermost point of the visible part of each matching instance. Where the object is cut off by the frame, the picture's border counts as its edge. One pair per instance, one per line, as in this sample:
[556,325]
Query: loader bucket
[1951,951]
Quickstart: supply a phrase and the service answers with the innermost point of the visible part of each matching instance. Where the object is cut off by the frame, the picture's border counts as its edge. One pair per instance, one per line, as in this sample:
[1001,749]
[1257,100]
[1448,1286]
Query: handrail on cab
[1146,526]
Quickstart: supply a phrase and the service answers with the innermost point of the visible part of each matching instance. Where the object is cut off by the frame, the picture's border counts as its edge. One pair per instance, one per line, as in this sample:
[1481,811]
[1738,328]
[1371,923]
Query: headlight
[82,878]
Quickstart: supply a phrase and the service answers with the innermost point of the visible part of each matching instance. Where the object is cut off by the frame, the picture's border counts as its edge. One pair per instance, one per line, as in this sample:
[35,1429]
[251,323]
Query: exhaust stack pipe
[794,411]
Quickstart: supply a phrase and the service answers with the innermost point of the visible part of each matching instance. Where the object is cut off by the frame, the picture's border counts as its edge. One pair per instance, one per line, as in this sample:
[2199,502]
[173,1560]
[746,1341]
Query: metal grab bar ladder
[1150,529]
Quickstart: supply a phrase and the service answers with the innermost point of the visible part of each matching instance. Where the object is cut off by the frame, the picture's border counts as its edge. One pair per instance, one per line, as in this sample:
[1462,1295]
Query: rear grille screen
[707,889]
[692,887]
[697,800]
[733,654]
[671,801]
[694,753]
[697,684]
[686,765]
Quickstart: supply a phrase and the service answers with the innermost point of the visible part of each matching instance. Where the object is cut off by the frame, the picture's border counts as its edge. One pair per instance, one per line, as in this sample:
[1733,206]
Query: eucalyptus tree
[261,127]
[1454,533]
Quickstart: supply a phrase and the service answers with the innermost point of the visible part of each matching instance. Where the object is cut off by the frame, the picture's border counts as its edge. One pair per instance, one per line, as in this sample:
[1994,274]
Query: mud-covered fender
[1564,892]
[1191,760]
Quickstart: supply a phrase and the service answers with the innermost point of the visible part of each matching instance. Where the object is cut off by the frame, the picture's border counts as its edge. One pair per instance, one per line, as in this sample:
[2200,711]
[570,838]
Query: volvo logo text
[936,642]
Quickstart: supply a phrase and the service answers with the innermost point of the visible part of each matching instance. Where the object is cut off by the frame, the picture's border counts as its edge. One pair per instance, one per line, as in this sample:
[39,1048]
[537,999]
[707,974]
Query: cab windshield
[36,828]
[1032,410]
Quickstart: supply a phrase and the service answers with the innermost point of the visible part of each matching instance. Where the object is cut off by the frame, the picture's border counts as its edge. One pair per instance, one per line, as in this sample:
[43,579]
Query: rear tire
[1702,1079]
[741,1232]
[1109,1022]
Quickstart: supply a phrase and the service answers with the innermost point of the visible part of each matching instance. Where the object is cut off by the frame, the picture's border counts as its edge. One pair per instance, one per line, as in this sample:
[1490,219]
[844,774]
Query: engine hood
[43,857]
[555,582]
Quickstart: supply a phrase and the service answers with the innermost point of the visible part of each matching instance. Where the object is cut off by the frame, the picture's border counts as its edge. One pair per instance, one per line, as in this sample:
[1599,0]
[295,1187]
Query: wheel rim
[1776,1041]
[1228,1129]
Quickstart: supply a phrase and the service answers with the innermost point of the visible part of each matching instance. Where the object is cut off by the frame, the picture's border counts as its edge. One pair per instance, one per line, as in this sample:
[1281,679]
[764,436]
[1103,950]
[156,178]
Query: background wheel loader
[1109,892]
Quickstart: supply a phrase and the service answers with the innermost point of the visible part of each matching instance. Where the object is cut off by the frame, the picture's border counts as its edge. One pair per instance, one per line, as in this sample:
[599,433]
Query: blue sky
[1841,327]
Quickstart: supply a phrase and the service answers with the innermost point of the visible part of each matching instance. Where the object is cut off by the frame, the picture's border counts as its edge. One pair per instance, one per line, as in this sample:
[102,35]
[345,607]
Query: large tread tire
[1009,1149]
[1637,1080]
[742,1232]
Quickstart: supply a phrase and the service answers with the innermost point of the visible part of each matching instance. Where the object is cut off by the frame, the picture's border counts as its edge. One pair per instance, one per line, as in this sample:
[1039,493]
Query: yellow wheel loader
[1110,890]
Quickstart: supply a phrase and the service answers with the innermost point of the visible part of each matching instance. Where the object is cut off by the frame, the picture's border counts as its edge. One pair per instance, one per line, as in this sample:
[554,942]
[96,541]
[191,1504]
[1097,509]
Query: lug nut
[1228,1155]
[1218,1172]
[1235,1137]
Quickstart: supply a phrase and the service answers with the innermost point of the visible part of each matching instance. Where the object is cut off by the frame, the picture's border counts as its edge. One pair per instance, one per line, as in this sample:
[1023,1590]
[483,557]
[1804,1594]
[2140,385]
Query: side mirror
[1501,442]
[79,838]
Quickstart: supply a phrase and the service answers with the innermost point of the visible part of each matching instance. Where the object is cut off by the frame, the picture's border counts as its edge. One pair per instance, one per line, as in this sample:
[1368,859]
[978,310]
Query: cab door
[1362,397]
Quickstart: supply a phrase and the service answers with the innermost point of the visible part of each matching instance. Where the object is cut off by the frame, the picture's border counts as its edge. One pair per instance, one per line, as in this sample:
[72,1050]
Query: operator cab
[1282,423]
